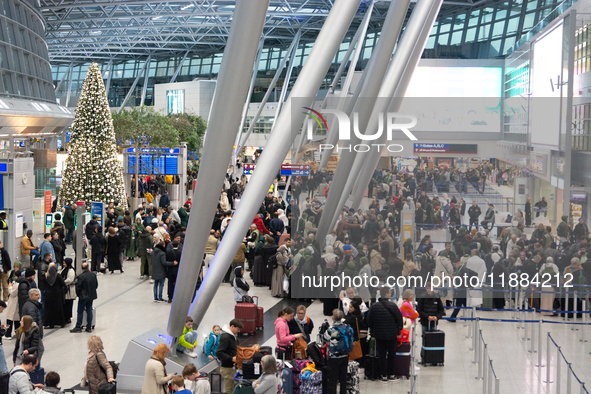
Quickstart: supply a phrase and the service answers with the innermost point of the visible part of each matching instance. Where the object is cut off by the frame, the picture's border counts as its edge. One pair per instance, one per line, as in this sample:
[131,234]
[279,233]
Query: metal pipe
[332,135]
[145,87]
[548,360]
[255,71]
[484,368]
[278,145]
[372,157]
[68,71]
[232,86]
[490,378]
[584,322]
[370,108]
[497,386]
[476,342]
[539,364]
[558,370]
[110,66]
[482,351]
[69,89]
[133,85]
[575,298]
[287,76]
[178,69]
[583,391]
[568,378]
[267,95]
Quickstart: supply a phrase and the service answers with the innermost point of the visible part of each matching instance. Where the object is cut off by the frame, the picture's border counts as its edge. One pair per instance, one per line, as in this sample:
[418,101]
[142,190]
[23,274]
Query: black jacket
[6,263]
[474,212]
[429,305]
[23,292]
[98,243]
[31,343]
[86,286]
[90,226]
[227,349]
[385,320]
[353,321]
[33,309]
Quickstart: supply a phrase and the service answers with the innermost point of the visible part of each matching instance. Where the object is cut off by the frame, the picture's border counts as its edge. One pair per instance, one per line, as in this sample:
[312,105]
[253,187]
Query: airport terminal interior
[295,196]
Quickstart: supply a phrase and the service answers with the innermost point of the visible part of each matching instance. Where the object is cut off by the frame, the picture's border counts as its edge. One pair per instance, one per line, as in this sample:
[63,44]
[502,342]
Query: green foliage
[190,128]
[142,127]
[92,171]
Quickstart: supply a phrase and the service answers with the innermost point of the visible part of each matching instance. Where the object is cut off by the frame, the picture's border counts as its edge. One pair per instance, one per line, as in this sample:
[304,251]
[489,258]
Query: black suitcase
[402,360]
[433,349]
[250,369]
[328,305]
[264,350]
[372,368]
[215,382]
[258,276]
[107,388]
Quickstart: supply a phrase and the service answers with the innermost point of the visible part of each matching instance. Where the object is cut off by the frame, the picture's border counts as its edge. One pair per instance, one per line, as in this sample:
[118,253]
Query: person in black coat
[385,321]
[97,244]
[355,319]
[173,253]
[54,299]
[301,323]
[430,308]
[226,352]
[266,251]
[57,247]
[29,336]
[164,200]
[25,283]
[86,291]
[528,212]
[113,251]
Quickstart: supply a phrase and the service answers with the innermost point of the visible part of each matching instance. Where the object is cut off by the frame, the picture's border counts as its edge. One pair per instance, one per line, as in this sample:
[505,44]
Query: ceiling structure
[132,29]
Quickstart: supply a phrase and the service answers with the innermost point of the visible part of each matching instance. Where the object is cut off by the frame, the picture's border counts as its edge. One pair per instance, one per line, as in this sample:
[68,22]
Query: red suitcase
[260,312]
[247,314]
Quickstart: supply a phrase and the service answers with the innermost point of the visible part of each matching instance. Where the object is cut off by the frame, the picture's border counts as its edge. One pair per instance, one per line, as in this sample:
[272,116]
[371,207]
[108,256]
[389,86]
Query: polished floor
[125,309]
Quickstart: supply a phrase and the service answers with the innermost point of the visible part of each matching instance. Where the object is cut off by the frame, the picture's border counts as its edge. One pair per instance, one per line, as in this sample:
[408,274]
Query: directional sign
[295,169]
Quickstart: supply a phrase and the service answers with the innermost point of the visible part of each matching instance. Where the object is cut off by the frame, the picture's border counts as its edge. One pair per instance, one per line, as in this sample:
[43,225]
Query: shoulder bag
[356,352]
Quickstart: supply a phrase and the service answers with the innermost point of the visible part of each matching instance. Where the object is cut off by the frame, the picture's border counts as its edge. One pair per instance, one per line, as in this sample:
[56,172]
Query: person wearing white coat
[476,264]
[548,270]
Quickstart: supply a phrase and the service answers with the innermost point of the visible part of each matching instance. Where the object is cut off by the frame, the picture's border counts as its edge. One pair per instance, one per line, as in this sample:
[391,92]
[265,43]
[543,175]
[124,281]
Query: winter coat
[98,243]
[46,247]
[159,262]
[6,264]
[260,225]
[276,226]
[228,348]
[385,320]
[26,246]
[24,285]
[308,326]
[155,377]
[184,216]
[86,286]
[31,342]
[284,338]
[144,242]
[95,374]
[241,287]
[69,218]
[33,309]
[277,281]
[376,260]
[90,226]
[443,264]
[240,256]
[429,305]
[12,308]
[69,282]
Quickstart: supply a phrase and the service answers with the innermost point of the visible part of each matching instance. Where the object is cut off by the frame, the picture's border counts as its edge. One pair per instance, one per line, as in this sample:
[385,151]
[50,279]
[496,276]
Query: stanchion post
[539,364]
[557,369]
[485,371]
[584,322]
[480,356]
[583,391]
[533,334]
[475,342]
[490,378]
[574,328]
[568,378]
[474,328]
[548,359]
[497,386]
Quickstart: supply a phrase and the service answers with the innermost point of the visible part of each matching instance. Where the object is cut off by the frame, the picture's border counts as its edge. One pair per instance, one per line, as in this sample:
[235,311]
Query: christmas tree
[92,172]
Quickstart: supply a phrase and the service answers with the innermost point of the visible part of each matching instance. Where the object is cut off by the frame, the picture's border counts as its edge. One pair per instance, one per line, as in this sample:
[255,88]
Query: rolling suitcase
[258,275]
[250,369]
[402,360]
[353,377]
[372,367]
[311,383]
[84,318]
[433,349]
[247,314]
[215,382]
[264,350]
[287,380]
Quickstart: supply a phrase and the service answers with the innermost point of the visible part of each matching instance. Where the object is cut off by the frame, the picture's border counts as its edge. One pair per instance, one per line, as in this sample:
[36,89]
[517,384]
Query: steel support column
[178,69]
[68,71]
[145,87]
[255,71]
[133,85]
[230,94]
[332,137]
[364,107]
[569,37]
[368,161]
[330,37]
[287,76]
[69,88]
[108,85]
[267,94]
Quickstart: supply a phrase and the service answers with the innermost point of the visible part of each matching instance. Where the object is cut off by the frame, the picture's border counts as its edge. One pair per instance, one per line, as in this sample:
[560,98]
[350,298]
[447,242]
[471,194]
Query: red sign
[249,166]
[80,203]
[305,167]
[48,201]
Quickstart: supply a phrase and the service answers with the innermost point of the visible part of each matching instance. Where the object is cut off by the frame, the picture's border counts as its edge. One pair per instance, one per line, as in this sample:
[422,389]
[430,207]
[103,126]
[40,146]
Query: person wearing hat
[25,283]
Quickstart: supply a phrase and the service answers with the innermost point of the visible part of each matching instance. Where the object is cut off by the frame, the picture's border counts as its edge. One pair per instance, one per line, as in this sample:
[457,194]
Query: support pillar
[376,86]
[133,85]
[230,94]
[306,87]
[407,68]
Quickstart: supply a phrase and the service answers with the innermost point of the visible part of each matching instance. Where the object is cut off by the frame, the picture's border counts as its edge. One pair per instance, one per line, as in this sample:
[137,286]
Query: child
[199,383]
[212,343]
[178,384]
[188,341]
[52,379]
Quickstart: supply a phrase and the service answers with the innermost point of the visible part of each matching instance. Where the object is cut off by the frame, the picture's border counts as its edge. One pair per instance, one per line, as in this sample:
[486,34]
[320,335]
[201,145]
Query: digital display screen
[154,164]
[158,165]
[171,165]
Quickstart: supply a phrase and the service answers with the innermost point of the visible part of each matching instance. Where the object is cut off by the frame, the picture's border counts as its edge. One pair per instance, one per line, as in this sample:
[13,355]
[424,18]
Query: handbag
[107,388]
[356,352]
[243,353]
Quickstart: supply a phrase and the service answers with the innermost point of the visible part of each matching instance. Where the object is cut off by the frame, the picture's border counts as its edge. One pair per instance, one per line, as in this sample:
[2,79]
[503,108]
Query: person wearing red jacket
[260,225]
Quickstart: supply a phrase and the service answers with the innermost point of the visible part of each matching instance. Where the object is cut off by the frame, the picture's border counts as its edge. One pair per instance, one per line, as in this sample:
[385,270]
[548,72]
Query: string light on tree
[92,171]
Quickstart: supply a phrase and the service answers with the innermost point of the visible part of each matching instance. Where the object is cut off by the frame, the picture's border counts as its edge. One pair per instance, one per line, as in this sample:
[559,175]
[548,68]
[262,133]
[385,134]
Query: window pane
[459,22]
[528,22]
[509,41]
[430,43]
[16,59]
[175,102]
[498,29]
[456,38]
[8,88]
[513,25]
[501,14]
[532,5]
[443,38]
[487,15]
[444,28]
[495,48]
[470,34]
[483,32]
[3,57]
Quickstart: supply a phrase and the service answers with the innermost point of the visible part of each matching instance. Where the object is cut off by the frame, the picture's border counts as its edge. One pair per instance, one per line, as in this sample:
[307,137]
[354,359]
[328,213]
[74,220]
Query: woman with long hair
[155,376]
[28,340]
[113,251]
[284,338]
[97,369]
[355,319]
[54,298]
[69,277]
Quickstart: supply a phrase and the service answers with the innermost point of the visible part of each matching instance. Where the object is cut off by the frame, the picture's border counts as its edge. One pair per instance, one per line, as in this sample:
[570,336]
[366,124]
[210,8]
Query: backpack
[341,340]
[315,353]
[324,327]
[206,339]
[273,261]
[5,380]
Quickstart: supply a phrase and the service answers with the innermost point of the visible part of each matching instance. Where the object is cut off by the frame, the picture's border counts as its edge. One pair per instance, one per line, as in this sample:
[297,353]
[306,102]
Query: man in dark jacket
[97,244]
[276,227]
[32,307]
[489,217]
[164,200]
[430,308]
[24,285]
[460,291]
[173,255]
[69,223]
[226,353]
[145,242]
[6,266]
[581,229]
[86,292]
[474,212]
[385,320]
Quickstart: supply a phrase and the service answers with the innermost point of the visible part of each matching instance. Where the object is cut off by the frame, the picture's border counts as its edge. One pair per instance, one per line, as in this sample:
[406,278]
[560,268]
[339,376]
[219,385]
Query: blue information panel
[157,165]
[171,165]
[97,208]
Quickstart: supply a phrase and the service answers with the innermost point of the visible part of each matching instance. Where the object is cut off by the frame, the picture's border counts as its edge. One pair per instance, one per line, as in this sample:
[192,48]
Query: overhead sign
[445,148]
[295,169]
[156,150]
[248,169]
